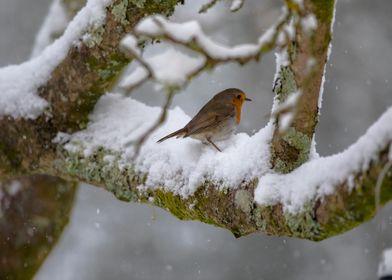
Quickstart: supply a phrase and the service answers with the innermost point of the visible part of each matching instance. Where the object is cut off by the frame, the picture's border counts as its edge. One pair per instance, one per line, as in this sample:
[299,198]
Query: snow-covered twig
[235,5]
[191,36]
[235,189]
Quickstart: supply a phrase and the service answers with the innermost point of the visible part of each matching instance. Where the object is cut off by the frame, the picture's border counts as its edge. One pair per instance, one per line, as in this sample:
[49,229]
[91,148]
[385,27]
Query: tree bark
[33,213]
[307,56]
[26,146]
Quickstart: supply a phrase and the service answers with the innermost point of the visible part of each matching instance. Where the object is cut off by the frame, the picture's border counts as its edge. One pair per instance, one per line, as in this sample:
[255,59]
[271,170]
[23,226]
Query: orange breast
[237,105]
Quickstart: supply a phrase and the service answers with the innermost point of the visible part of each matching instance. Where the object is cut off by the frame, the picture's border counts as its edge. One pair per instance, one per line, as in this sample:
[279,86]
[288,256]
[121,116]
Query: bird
[217,120]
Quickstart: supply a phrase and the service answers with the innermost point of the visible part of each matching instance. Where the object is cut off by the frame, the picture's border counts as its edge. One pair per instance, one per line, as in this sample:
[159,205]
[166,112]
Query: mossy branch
[27,147]
[352,203]
[87,72]
[303,72]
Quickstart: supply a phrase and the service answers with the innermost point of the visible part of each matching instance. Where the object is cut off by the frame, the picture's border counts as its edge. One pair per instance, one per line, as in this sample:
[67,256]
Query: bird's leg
[213,144]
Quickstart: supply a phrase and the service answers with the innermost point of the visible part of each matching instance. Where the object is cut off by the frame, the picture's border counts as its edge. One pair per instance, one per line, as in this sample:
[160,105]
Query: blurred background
[109,239]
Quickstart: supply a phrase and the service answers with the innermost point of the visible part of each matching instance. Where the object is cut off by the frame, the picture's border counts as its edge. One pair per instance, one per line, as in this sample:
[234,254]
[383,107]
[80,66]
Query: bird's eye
[239,96]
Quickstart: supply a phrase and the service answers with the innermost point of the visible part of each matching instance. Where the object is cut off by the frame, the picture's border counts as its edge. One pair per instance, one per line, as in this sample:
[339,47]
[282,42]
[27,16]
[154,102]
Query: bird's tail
[178,133]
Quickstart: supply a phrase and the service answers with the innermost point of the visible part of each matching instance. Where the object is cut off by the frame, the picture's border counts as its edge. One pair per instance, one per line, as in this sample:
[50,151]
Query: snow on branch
[239,180]
[236,189]
[174,69]
[234,7]
[19,83]
[319,177]
[190,35]
[179,165]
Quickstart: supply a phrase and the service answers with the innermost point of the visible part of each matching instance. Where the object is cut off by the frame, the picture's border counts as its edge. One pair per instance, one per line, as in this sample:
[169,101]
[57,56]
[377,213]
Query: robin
[217,120]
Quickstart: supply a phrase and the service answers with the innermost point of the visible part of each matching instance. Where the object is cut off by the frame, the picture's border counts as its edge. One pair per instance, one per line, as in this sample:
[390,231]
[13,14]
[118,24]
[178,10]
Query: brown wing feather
[211,115]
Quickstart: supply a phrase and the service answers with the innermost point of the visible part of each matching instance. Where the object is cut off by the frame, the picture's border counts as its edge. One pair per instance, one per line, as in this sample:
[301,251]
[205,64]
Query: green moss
[165,7]
[107,74]
[301,142]
[347,216]
[9,159]
[173,203]
[193,208]
[323,10]
[138,3]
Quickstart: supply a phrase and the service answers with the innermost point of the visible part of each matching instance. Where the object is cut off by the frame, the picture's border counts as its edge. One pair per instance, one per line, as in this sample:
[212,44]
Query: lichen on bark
[289,152]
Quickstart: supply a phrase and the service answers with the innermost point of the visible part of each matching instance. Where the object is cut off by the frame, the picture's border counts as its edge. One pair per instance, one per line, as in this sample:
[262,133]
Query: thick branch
[307,56]
[88,71]
[29,146]
[34,211]
[352,202]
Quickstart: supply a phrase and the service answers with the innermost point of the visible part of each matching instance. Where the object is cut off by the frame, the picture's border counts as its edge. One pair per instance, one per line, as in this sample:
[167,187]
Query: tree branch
[178,177]
[88,71]
[302,70]
[321,215]
[34,210]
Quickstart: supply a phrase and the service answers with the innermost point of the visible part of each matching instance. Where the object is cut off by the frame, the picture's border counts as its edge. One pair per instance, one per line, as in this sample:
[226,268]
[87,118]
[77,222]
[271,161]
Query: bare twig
[207,6]
[162,118]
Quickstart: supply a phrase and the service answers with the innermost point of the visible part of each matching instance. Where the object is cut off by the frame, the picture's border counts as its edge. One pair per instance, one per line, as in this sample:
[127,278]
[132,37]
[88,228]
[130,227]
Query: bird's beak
[248,99]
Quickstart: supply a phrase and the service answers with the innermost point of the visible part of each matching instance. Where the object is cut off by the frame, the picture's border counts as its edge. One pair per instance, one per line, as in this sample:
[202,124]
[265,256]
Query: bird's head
[235,97]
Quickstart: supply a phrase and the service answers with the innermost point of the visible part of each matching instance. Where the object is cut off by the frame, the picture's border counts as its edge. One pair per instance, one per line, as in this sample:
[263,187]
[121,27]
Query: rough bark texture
[235,209]
[26,146]
[85,74]
[33,212]
[307,55]
[32,220]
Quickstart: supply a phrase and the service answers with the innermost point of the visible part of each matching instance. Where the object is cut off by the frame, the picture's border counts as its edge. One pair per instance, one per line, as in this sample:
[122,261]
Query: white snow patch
[236,5]
[318,177]
[19,83]
[309,23]
[286,110]
[131,43]
[14,187]
[180,165]
[191,31]
[299,2]
[173,66]
[285,121]
[385,266]
[135,77]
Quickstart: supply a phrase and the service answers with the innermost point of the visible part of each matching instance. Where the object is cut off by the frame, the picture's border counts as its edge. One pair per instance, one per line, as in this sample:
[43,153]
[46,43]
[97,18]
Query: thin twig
[195,44]
[162,118]
[207,6]
[210,61]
